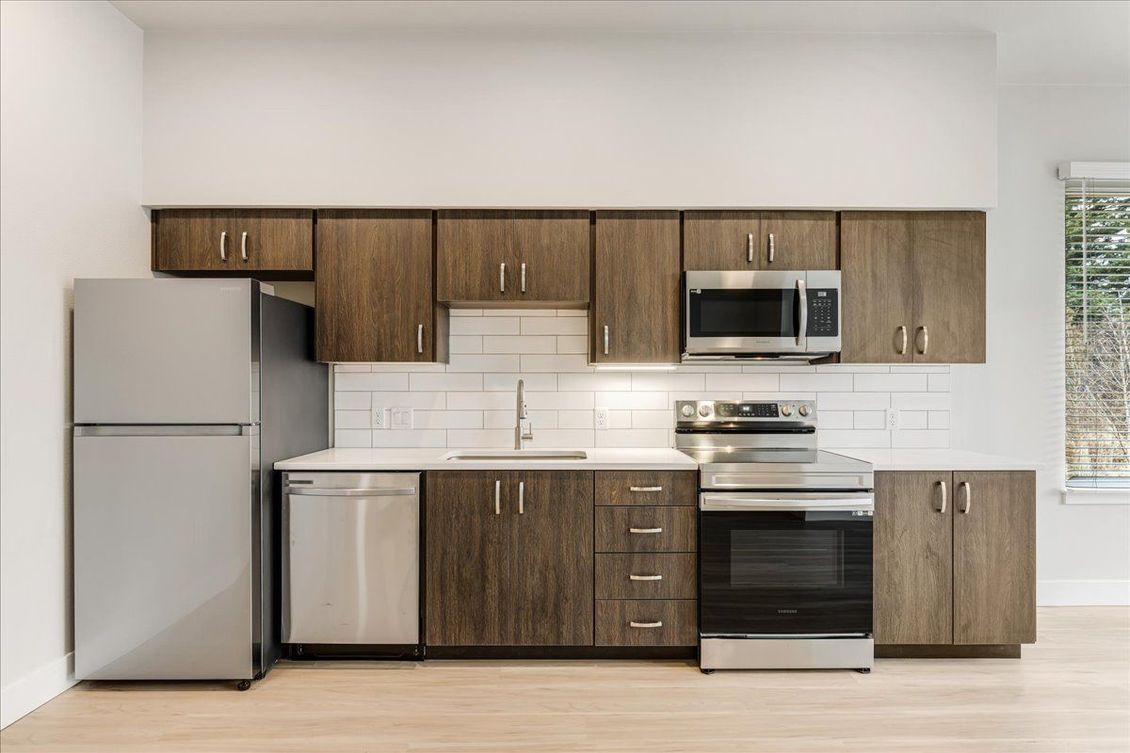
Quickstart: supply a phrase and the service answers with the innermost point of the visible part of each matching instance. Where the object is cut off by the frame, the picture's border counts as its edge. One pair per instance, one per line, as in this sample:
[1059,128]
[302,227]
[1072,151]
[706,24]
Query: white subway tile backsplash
[470,401]
[487,325]
[369,382]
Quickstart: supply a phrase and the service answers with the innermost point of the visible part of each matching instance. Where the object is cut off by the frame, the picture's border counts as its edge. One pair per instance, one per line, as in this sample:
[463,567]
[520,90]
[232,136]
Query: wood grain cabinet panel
[646,529]
[646,488]
[797,241]
[913,540]
[236,241]
[374,287]
[949,286]
[994,552]
[721,240]
[277,240]
[635,313]
[877,281]
[647,623]
[554,247]
[647,576]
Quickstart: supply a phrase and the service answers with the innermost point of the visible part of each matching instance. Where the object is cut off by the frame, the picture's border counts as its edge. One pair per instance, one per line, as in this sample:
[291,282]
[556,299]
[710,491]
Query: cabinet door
[190,240]
[636,301]
[554,247]
[797,241]
[476,256]
[994,553]
[948,253]
[721,240]
[278,240]
[550,602]
[467,560]
[913,558]
[878,284]
[374,286]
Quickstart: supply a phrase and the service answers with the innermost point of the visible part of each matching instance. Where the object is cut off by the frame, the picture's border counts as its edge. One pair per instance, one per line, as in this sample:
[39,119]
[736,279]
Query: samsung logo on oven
[786,611]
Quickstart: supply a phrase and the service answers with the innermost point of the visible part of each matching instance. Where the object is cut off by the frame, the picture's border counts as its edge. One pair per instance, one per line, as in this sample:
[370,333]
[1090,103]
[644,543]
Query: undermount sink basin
[517,455]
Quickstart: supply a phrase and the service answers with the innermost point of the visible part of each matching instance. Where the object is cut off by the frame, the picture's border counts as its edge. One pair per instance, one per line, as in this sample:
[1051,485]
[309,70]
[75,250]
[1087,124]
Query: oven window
[771,559]
[769,312]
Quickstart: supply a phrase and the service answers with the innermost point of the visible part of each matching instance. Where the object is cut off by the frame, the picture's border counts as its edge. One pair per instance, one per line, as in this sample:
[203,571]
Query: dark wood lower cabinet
[647,622]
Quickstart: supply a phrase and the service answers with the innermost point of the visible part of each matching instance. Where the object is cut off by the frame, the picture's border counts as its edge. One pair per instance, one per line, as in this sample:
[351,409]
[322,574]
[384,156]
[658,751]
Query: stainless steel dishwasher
[351,559]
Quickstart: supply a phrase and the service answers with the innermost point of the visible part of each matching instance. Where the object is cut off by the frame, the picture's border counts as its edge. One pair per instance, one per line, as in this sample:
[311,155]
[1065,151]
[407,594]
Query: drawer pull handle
[645,530]
[656,624]
[633,576]
[645,488]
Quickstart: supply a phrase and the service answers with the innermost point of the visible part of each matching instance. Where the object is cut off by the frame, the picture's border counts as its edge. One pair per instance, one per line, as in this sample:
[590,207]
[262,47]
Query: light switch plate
[601,419]
[402,418]
[380,417]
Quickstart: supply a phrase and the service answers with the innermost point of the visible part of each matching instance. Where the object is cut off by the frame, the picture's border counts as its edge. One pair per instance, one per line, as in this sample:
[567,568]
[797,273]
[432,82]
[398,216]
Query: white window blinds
[1097,214]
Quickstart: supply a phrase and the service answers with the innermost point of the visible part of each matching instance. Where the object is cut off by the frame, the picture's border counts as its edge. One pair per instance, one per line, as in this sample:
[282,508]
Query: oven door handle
[719,502]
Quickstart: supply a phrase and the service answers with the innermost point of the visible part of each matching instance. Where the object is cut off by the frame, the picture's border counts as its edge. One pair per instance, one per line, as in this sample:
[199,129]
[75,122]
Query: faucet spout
[523,429]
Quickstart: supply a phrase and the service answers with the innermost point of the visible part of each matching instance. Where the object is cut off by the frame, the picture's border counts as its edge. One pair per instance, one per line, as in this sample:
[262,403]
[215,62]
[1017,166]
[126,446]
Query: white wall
[716,119]
[1013,405]
[469,402]
[70,192]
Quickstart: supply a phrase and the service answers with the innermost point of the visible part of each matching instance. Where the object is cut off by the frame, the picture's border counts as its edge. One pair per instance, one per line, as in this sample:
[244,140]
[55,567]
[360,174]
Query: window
[1097,236]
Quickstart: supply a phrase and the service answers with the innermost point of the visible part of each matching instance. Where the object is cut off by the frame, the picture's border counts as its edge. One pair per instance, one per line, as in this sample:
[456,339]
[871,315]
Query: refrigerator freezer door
[162,560]
[164,352]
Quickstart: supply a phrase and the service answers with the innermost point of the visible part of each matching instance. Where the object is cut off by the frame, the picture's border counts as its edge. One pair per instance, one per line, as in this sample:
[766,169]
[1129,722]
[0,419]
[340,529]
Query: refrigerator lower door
[163,556]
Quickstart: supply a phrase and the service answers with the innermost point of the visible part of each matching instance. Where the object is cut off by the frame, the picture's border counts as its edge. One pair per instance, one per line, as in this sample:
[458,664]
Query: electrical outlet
[892,418]
[601,419]
[380,417]
[402,418]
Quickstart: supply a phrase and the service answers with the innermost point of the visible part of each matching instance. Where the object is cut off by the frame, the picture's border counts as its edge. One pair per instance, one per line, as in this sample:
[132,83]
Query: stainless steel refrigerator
[186,392]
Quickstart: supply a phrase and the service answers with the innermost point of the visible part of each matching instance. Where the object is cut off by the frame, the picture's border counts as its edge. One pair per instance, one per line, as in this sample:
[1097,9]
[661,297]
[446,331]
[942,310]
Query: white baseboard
[36,688]
[1078,593]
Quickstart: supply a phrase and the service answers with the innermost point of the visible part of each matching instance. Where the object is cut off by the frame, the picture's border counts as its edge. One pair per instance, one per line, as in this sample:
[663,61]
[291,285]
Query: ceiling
[1082,42]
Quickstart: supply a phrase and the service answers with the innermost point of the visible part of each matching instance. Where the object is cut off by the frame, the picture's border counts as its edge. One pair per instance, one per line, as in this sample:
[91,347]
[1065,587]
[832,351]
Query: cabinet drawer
[646,576]
[646,529]
[646,622]
[646,487]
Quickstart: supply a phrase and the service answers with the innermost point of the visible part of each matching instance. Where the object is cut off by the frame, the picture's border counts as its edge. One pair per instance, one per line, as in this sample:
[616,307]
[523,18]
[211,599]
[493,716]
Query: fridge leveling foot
[243,685]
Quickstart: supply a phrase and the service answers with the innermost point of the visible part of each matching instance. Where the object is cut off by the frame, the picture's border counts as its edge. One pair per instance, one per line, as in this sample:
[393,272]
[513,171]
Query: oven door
[742,313]
[785,563]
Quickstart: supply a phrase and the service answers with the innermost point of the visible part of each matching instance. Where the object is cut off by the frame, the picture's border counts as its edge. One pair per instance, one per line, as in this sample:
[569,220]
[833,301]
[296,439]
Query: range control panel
[718,411]
[823,312]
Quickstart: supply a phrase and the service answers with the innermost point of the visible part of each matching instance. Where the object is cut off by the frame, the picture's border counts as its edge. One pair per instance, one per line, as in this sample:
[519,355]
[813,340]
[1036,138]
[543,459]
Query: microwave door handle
[802,298]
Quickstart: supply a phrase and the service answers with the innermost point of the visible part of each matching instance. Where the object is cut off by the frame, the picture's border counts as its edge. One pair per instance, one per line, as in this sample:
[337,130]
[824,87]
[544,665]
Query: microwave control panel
[823,312]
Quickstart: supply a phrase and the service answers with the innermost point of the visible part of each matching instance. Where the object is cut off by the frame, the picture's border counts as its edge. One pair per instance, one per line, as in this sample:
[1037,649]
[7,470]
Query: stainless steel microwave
[761,315]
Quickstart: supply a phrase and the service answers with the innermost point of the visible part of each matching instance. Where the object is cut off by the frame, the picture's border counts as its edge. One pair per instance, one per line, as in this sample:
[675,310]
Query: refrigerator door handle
[166,430]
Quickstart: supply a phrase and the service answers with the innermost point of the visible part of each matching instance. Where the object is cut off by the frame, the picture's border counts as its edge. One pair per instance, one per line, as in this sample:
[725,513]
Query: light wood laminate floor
[1070,692]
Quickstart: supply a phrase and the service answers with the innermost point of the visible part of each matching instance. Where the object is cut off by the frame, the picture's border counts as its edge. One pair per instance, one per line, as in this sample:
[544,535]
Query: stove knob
[704,410]
[786,410]
[687,410]
[804,410]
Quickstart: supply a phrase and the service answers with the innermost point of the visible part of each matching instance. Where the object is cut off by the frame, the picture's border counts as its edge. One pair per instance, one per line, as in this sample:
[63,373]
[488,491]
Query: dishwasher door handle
[310,491]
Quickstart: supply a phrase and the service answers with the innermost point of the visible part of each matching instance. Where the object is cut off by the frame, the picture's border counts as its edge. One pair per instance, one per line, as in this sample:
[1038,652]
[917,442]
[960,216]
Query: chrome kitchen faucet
[523,429]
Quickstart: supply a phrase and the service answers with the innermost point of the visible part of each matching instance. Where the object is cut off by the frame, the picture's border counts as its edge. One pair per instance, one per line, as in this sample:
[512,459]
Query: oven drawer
[646,487]
[636,622]
[646,576]
[646,529]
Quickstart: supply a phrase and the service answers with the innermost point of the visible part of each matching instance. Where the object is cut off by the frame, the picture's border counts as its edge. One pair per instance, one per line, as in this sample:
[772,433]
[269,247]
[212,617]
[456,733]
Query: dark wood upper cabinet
[994,553]
[913,287]
[913,558]
[491,256]
[236,241]
[741,240]
[509,558]
[374,287]
[635,312]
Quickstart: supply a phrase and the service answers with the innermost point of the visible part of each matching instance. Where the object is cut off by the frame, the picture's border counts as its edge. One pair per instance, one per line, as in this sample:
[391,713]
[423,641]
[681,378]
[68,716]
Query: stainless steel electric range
[784,539]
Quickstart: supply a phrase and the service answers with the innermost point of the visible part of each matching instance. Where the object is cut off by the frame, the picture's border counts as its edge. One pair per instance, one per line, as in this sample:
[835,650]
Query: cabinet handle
[224,246]
[942,507]
[925,339]
[968,497]
[902,331]
[502,277]
[243,245]
[749,248]
[521,497]
[633,576]
[645,488]
[605,339]
[656,624]
[497,497]
[645,530]
[523,276]
[419,338]
[772,248]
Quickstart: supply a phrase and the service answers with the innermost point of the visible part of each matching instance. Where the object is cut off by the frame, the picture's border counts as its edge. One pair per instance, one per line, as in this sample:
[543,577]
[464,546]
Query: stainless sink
[517,455]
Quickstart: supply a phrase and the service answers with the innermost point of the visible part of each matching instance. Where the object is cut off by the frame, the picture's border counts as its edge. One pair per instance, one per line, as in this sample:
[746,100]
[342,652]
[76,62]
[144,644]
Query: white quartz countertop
[936,460]
[434,459]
